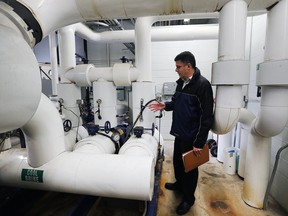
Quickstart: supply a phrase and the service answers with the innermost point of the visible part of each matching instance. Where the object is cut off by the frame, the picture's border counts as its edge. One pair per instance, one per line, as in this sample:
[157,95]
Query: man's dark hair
[186,57]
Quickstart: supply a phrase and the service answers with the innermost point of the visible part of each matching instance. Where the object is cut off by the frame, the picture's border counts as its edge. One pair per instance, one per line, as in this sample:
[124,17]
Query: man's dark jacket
[192,110]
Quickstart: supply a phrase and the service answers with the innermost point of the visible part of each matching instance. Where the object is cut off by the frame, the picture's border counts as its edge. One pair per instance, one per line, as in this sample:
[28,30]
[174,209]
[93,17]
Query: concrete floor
[217,193]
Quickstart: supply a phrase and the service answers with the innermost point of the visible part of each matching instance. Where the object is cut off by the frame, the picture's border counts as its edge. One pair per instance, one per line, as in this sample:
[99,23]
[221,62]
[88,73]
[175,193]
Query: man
[192,105]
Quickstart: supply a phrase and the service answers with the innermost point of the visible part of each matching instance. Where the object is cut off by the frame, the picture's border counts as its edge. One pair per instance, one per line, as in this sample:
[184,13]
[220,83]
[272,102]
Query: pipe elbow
[227,112]
[225,119]
[273,115]
[271,121]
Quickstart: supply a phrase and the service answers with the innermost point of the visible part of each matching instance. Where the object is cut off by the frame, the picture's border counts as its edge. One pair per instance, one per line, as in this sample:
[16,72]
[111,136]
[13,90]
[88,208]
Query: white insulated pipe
[273,115]
[167,33]
[67,50]
[147,145]
[246,120]
[143,47]
[44,134]
[231,71]
[98,144]
[20,83]
[257,167]
[91,168]
[108,175]
[121,74]
[53,60]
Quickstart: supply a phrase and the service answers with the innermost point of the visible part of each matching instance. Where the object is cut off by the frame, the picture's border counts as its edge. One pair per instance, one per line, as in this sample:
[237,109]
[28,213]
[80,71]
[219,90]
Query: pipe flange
[27,33]
[273,73]
[234,72]
[121,74]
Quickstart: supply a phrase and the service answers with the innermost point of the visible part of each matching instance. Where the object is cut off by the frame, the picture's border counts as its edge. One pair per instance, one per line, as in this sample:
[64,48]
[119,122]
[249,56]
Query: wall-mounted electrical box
[169,88]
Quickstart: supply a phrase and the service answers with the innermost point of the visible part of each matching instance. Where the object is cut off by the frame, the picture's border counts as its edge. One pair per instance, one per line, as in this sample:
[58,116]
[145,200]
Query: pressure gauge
[115,136]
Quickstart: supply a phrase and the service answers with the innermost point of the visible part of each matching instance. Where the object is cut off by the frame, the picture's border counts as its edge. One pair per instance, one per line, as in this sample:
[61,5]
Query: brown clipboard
[191,161]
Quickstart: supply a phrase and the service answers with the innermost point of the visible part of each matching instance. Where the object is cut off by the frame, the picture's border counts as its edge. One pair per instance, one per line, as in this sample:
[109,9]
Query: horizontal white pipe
[108,175]
[139,147]
[44,134]
[122,74]
[168,33]
[98,144]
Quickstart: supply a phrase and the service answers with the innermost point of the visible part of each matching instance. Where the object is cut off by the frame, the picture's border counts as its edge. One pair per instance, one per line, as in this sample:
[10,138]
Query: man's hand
[197,151]
[156,106]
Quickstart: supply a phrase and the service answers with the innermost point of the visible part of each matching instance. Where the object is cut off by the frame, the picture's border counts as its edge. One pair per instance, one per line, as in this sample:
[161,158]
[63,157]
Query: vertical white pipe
[243,150]
[53,60]
[276,46]
[224,141]
[246,119]
[66,40]
[257,168]
[231,55]
[272,117]
[143,47]
[232,31]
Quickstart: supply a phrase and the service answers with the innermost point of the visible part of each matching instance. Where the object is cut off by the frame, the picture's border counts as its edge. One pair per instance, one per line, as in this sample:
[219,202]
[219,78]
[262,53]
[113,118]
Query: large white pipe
[143,47]
[68,12]
[257,167]
[273,115]
[231,71]
[44,134]
[146,146]
[167,33]
[108,175]
[20,83]
[91,168]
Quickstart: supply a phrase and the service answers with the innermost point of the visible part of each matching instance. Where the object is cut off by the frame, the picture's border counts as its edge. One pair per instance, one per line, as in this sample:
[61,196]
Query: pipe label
[32,175]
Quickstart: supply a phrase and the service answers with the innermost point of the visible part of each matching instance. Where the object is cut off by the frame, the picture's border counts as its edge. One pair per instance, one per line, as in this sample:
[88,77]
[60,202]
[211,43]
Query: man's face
[184,70]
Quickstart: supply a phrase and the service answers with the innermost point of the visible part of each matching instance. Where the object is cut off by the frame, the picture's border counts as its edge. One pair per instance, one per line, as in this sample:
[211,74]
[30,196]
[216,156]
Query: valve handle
[67,125]
[107,127]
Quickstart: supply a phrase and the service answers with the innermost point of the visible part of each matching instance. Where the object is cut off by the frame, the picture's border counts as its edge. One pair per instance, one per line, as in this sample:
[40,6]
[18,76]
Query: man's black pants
[186,181]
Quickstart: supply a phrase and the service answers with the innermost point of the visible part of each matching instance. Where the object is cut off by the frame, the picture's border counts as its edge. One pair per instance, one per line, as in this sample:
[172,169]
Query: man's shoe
[172,186]
[183,208]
